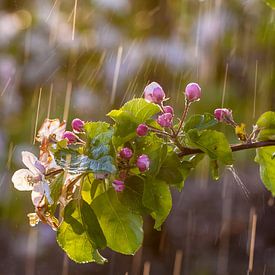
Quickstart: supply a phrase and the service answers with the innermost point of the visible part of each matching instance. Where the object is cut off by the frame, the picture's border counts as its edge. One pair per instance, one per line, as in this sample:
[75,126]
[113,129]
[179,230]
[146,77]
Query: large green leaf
[129,116]
[200,122]
[157,197]
[213,143]
[131,196]
[266,123]
[91,188]
[122,228]
[174,171]
[270,3]
[79,234]
[264,156]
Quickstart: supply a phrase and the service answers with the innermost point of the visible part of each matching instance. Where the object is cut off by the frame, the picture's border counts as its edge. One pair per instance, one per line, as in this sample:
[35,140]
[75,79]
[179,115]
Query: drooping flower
[165,120]
[142,130]
[126,153]
[224,115]
[154,93]
[70,136]
[78,125]
[32,179]
[143,163]
[118,185]
[51,130]
[192,92]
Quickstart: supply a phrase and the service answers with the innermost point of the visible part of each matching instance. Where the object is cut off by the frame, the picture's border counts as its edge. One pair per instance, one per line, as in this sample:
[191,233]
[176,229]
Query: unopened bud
[70,136]
[224,115]
[126,153]
[192,92]
[154,93]
[168,109]
[143,163]
[78,125]
[118,185]
[165,120]
[142,130]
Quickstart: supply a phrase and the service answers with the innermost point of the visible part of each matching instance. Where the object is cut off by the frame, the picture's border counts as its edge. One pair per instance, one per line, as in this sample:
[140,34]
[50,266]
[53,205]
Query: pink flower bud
[154,93]
[142,130]
[118,185]
[224,115]
[168,109]
[165,120]
[70,136]
[126,153]
[192,92]
[143,163]
[78,125]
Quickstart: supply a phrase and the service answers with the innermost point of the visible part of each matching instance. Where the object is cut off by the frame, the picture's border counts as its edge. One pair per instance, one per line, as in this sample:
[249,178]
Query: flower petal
[37,193]
[29,160]
[20,180]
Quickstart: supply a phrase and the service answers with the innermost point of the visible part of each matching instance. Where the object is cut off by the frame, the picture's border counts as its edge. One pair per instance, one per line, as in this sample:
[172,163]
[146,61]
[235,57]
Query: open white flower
[32,179]
[51,129]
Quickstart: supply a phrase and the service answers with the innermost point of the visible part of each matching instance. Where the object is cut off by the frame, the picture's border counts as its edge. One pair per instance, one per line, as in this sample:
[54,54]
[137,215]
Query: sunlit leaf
[213,143]
[80,234]
[129,116]
[122,228]
[264,156]
[157,197]
[200,122]
[266,124]
[270,3]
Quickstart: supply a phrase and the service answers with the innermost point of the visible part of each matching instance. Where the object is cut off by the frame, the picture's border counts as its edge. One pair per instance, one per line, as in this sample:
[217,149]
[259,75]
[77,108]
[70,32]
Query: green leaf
[214,166]
[213,143]
[79,234]
[154,147]
[140,109]
[91,188]
[56,187]
[157,197]
[200,122]
[174,171]
[270,3]
[170,171]
[121,227]
[266,123]
[129,116]
[264,156]
[131,196]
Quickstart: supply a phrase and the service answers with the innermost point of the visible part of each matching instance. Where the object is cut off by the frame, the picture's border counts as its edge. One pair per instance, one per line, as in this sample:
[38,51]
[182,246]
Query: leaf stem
[184,114]
[236,147]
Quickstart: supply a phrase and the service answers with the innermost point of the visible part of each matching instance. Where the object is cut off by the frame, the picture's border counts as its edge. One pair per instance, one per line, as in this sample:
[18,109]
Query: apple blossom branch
[236,147]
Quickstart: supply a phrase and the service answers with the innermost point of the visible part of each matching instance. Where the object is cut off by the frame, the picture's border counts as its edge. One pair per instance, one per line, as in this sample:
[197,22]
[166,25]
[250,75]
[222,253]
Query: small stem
[184,114]
[236,147]
[55,172]
[153,129]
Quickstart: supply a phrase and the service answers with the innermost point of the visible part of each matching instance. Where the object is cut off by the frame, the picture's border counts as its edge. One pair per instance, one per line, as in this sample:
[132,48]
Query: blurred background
[69,58]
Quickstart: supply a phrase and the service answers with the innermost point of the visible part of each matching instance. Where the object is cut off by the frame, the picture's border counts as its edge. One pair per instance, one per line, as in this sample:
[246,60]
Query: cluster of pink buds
[142,163]
[78,127]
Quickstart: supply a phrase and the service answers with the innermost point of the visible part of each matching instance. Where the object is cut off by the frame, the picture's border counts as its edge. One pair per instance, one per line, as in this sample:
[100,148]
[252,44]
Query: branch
[234,148]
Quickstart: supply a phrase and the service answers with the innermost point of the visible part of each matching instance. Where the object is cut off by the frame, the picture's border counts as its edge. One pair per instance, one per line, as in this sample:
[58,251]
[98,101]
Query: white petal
[37,193]
[60,131]
[20,180]
[29,160]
